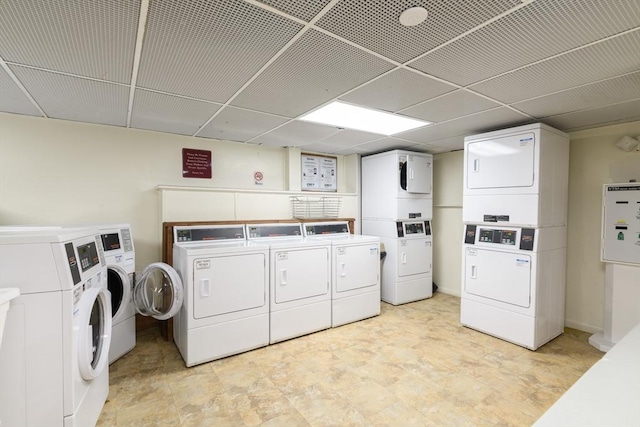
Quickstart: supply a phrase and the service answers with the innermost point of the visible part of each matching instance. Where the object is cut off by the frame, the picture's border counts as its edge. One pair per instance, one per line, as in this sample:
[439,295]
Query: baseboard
[454,292]
[582,326]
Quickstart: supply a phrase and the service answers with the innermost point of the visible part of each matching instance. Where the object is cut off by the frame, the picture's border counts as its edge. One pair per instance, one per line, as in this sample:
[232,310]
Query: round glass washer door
[94,333]
[158,293]
[119,285]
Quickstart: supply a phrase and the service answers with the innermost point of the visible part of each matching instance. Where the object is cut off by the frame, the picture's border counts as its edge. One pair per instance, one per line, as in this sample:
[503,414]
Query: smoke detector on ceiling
[413,16]
[627,143]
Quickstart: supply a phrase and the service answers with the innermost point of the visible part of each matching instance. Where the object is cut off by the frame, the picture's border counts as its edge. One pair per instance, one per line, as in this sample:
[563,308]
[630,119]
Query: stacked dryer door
[121,264]
[226,287]
[515,212]
[355,271]
[406,272]
[300,280]
[54,358]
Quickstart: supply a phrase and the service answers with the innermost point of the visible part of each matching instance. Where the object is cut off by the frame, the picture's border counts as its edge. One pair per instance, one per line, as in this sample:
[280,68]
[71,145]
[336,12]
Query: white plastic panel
[621,223]
[299,274]
[228,284]
[356,267]
[414,256]
[501,162]
[499,276]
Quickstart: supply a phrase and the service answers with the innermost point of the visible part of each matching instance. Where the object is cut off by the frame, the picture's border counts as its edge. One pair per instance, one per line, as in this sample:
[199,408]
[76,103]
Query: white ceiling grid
[245,70]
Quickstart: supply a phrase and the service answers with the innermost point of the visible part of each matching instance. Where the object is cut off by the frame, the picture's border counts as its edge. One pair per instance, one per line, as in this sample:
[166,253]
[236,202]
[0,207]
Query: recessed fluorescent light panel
[351,116]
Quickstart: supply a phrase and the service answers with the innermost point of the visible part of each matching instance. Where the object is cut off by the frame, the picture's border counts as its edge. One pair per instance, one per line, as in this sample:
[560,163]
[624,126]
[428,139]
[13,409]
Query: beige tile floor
[414,365]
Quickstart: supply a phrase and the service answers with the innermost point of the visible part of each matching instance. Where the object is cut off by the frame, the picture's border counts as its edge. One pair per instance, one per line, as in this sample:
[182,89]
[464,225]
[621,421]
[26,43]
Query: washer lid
[159,292]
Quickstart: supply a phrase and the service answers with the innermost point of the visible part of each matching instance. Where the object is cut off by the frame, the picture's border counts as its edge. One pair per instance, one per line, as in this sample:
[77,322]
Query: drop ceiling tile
[171,114]
[295,134]
[596,62]
[75,98]
[209,49]
[302,9]
[397,90]
[349,138]
[375,25]
[315,69]
[237,124]
[600,116]
[319,147]
[89,38]
[12,99]
[606,92]
[449,106]
[485,121]
[450,144]
[534,32]
[384,144]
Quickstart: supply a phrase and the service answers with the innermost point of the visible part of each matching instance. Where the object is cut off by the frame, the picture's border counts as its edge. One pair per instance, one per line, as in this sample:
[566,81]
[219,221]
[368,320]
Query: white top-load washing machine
[54,357]
[406,270]
[513,282]
[121,267]
[355,271]
[226,287]
[517,176]
[300,280]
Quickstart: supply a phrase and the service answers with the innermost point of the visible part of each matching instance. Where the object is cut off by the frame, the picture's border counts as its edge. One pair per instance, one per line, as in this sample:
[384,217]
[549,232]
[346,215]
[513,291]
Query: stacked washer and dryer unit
[54,357]
[397,207]
[514,250]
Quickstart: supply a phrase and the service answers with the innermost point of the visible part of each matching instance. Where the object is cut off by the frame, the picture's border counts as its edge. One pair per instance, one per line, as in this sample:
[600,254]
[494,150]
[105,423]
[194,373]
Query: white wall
[69,173]
[594,158]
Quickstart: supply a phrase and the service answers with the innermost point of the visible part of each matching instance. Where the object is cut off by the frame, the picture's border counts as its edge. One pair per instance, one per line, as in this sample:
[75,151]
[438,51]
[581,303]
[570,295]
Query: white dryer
[513,282]
[517,176]
[406,271]
[355,271]
[121,266]
[300,280]
[226,286]
[54,357]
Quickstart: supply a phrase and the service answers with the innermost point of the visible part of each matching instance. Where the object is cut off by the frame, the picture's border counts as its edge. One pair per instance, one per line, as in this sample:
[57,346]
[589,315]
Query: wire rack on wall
[315,207]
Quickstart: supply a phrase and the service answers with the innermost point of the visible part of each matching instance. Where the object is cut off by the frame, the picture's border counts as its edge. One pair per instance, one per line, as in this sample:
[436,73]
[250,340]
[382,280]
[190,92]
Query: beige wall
[68,173]
[594,159]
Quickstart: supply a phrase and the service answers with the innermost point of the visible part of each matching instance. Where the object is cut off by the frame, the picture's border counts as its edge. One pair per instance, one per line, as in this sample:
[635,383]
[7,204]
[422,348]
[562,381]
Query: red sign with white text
[196,163]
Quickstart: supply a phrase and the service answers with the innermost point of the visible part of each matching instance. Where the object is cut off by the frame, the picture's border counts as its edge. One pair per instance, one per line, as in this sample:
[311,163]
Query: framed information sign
[319,173]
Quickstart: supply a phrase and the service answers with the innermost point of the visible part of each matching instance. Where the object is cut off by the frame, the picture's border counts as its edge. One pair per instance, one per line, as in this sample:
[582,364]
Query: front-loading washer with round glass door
[54,357]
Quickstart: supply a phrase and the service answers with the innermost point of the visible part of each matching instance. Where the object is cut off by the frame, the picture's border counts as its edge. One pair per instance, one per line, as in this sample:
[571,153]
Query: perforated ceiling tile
[398,89]
[618,113]
[349,138]
[90,38]
[295,134]
[236,124]
[172,114]
[449,144]
[599,61]
[536,31]
[497,118]
[74,98]
[606,92]
[449,106]
[315,69]
[302,9]
[12,99]
[209,49]
[375,24]
[384,144]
